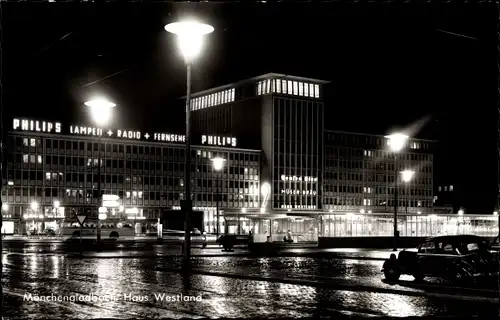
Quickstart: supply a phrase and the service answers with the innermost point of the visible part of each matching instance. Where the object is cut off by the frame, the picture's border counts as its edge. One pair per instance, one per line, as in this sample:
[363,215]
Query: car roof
[468,237]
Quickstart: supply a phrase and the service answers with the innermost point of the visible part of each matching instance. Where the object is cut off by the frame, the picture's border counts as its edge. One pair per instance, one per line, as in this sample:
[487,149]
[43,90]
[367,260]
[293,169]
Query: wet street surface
[142,281]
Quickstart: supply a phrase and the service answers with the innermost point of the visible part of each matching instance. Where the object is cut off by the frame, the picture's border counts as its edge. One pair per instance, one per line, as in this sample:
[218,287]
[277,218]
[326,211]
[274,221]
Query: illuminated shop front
[382,225]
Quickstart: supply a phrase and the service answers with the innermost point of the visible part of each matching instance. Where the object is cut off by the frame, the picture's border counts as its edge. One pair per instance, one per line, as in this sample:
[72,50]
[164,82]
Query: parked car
[453,258]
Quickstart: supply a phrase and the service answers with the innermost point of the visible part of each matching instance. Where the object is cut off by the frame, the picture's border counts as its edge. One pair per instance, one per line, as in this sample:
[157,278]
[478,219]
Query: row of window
[353,154]
[213,99]
[357,139]
[355,201]
[378,166]
[296,88]
[445,188]
[380,190]
[337,179]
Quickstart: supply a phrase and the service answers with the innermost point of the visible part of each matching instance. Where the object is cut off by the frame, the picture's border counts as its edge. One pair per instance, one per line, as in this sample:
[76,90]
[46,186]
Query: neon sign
[299,192]
[299,178]
[168,137]
[297,206]
[56,127]
[218,141]
[34,125]
[88,131]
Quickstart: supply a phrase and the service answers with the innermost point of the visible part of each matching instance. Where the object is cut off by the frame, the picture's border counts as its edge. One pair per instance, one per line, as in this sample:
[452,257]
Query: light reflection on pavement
[58,274]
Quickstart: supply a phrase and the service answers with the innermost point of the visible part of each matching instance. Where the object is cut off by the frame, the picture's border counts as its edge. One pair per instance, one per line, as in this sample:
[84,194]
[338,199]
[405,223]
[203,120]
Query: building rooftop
[254,79]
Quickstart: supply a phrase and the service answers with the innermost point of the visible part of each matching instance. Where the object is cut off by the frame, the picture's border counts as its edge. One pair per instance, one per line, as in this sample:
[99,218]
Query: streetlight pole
[407,175]
[396,176]
[218,164]
[190,40]
[99,193]
[188,206]
[397,142]
[101,112]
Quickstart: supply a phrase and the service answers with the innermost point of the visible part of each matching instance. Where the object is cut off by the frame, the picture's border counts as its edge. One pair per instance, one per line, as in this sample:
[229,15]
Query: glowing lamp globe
[397,141]
[218,163]
[100,110]
[190,36]
[407,175]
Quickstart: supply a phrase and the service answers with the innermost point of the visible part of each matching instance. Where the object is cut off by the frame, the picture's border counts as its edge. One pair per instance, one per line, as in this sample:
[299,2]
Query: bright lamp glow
[5,207]
[407,175]
[100,110]
[244,210]
[56,204]
[103,216]
[34,205]
[218,163]
[460,212]
[495,213]
[397,141]
[190,37]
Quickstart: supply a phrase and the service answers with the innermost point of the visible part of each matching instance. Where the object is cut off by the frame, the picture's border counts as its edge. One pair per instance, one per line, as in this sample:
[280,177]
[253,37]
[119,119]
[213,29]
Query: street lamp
[397,142]
[101,113]
[407,176]
[190,36]
[218,164]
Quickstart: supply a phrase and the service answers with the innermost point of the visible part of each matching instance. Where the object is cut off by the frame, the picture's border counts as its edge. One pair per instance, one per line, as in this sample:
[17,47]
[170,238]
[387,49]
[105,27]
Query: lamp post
[190,36]
[397,141]
[218,164]
[407,176]
[101,113]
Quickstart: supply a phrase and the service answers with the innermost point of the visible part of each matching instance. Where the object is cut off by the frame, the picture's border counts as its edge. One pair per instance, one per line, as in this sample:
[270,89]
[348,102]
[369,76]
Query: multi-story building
[283,170]
[52,173]
[359,174]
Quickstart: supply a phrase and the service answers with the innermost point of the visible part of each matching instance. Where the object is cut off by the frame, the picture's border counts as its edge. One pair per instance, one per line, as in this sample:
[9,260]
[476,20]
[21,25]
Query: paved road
[226,286]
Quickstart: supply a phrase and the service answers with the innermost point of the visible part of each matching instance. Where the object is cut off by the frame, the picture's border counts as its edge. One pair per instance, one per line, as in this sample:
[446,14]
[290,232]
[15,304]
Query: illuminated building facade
[47,167]
[282,116]
[359,174]
[283,170]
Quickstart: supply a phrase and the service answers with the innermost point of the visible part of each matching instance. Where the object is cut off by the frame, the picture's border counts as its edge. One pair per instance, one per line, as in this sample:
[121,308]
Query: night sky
[390,66]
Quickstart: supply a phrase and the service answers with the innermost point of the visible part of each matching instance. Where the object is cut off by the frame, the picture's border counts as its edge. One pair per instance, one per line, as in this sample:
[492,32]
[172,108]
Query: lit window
[140,194]
[259,88]
[451,187]
[204,103]
[290,87]
[365,202]
[278,85]
[268,85]
[301,89]
[283,84]
[311,90]
[445,188]
[439,188]
[219,100]
[295,88]
[25,142]
[25,158]
[32,142]
[47,175]
[232,95]
[316,90]
[306,89]
[273,85]
[128,194]
[32,158]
